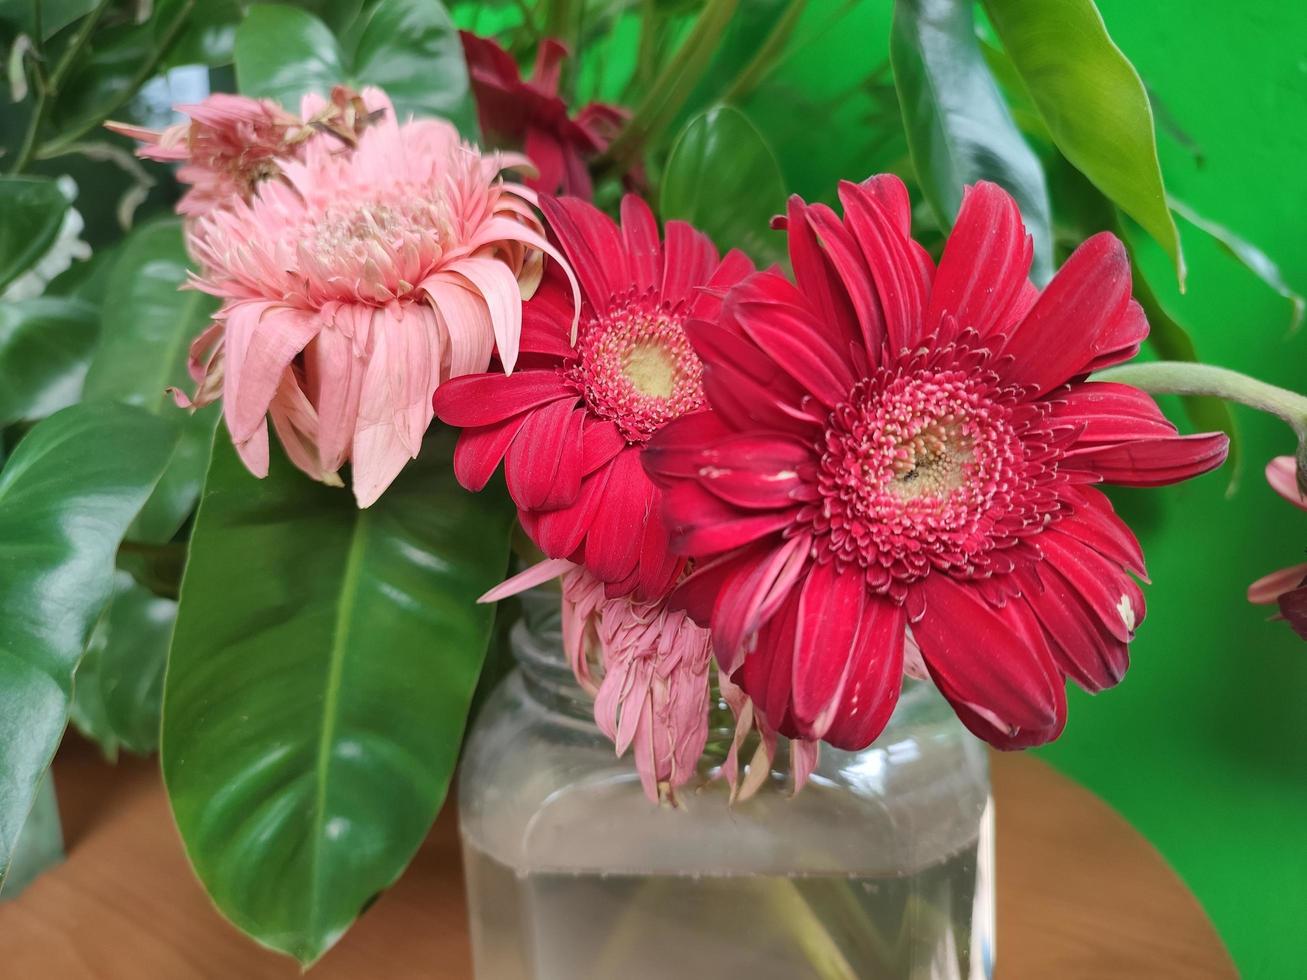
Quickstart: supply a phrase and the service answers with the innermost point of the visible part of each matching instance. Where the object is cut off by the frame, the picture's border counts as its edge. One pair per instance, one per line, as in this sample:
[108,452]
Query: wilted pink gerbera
[528,114]
[352,288]
[647,667]
[231,144]
[1286,588]
[571,424]
[893,445]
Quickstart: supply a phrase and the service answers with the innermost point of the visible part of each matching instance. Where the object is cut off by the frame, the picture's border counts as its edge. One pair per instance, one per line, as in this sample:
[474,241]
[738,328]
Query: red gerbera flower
[891,444]
[571,422]
[528,114]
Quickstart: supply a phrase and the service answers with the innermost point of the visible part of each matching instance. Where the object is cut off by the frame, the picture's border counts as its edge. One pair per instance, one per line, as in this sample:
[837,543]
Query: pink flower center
[932,465]
[375,250]
[636,367]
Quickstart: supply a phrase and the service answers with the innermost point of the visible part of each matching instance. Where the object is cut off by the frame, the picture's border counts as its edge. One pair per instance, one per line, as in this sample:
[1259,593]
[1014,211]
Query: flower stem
[1182,378]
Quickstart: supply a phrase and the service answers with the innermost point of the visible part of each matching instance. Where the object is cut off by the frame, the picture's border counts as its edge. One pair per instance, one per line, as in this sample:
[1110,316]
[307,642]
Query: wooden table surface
[1080,895]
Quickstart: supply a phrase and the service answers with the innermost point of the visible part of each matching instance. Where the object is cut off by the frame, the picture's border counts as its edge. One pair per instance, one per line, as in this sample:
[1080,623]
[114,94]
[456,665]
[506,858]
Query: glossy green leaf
[1248,255]
[318,684]
[721,177]
[1093,103]
[33,209]
[959,128]
[55,14]
[282,52]
[412,50]
[45,347]
[86,712]
[132,650]
[209,35]
[67,495]
[148,323]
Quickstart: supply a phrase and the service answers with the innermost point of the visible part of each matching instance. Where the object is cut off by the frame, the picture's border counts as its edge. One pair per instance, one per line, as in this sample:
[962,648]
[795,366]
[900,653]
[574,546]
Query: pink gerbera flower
[354,287]
[570,425]
[892,445]
[1286,588]
[231,144]
[528,114]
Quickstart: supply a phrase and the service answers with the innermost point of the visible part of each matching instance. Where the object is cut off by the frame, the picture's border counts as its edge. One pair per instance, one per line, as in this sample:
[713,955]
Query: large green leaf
[45,346]
[319,680]
[281,53]
[722,178]
[55,14]
[209,34]
[1093,103]
[148,323]
[132,650]
[959,129]
[409,47]
[66,496]
[33,209]
[412,50]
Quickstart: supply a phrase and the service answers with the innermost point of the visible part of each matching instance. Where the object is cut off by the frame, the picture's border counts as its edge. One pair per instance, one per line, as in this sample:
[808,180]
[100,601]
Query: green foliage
[67,496]
[148,323]
[959,128]
[33,209]
[409,47]
[721,177]
[1093,103]
[45,347]
[318,684]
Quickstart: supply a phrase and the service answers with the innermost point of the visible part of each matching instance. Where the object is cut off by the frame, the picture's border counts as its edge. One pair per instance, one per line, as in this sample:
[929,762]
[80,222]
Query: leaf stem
[768,55]
[143,74]
[48,88]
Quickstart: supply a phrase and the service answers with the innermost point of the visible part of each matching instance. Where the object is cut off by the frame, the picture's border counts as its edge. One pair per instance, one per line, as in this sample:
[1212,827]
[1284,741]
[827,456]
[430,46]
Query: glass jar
[880,868]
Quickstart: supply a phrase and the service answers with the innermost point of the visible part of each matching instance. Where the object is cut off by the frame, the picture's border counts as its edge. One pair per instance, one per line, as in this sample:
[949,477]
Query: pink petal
[1269,588]
[499,290]
[260,341]
[529,578]
[1281,474]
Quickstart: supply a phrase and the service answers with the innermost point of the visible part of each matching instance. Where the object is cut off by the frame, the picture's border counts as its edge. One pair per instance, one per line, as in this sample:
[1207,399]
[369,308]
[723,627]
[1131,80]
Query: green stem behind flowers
[1181,378]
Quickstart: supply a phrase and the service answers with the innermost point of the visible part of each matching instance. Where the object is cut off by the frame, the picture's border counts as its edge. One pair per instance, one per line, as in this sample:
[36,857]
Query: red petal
[767,671]
[984,270]
[602,442]
[1082,646]
[643,249]
[815,276]
[593,246]
[612,544]
[707,301]
[483,399]
[1110,412]
[703,524]
[859,275]
[546,152]
[543,466]
[689,258]
[755,472]
[900,277]
[751,594]
[875,678]
[1121,340]
[559,533]
[1293,607]
[788,335]
[1105,586]
[1075,319]
[480,450]
[1153,462]
[1096,524]
[831,607]
[994,658]
[675,451]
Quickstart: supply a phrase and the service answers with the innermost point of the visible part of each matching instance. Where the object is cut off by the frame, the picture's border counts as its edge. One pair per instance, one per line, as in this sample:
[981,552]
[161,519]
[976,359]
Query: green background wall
[1204,745]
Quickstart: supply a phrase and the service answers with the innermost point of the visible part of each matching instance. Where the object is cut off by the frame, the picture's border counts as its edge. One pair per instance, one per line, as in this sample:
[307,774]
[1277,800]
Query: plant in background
[819,475]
